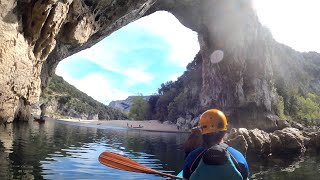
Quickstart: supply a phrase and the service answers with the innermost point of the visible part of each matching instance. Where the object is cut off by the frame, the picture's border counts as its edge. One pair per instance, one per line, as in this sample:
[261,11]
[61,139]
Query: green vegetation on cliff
[298,89]
[297,92]
[72,102]
[306,107]
[299,107]
[181,97]
[139,109]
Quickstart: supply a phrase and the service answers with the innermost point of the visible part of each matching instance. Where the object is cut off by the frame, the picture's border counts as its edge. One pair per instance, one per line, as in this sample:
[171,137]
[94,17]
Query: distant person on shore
[43,108]
[214,159]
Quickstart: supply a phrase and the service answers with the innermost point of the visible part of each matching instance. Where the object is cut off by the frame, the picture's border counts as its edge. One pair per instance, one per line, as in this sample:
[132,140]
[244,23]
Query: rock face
[36,35]
[57,111]
[286,141]
[124,105]
[256,143]
[247,83]
[243,80]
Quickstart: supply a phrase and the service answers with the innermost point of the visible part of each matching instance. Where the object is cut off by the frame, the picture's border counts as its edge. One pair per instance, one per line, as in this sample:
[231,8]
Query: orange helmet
[213,120]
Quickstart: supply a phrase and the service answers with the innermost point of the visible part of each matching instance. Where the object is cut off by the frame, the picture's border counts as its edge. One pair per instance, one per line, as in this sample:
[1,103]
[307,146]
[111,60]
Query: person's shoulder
[240,159]
[193,155]
[237,155]
[195,152]
[190,159]
[234,151]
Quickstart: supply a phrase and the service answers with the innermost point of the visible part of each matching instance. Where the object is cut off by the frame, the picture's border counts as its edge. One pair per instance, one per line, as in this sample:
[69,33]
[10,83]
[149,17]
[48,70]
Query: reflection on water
[62,151]
[56,150]
[305,167]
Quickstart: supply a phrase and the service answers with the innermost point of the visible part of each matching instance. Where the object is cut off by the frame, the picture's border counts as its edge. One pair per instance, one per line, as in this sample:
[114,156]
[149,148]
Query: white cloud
[183,47]
[97,86]
[105,56]
[183,41]
[292,22]
[137,75]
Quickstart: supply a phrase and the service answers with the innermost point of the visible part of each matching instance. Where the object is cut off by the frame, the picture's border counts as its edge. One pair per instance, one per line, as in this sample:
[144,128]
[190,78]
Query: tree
[152,106]
[139,109]
[307,107]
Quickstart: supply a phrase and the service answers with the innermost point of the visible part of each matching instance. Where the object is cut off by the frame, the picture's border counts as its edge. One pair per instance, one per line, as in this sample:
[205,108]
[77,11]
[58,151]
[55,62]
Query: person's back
[215,159]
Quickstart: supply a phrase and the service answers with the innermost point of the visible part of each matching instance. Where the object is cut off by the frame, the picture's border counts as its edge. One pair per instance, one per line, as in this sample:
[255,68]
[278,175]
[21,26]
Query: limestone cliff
[256,74]
[124,105]
[37,34]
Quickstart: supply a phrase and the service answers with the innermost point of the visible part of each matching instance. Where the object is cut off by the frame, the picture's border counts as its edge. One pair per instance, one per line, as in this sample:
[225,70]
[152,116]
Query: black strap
[196,161]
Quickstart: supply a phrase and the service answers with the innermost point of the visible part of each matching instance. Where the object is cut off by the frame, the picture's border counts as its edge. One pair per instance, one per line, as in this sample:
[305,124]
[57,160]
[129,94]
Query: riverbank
[146,125]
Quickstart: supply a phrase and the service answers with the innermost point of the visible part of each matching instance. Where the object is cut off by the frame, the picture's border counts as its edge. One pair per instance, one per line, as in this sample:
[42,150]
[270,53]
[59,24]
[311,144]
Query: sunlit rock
[288,141]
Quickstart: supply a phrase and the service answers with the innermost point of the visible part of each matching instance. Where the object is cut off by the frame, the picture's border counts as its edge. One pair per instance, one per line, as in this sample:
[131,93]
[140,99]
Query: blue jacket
[191,162]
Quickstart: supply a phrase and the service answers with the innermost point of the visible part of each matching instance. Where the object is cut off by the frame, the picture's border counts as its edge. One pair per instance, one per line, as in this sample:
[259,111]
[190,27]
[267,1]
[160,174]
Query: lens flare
[216,56]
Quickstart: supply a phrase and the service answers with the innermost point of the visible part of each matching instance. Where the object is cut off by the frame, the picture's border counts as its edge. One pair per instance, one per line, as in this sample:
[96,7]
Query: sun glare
[292,22]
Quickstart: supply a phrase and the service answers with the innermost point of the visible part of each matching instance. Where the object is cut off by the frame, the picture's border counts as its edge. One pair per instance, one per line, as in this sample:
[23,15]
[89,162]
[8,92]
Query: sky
[155,49]
[292,22]
[133,60]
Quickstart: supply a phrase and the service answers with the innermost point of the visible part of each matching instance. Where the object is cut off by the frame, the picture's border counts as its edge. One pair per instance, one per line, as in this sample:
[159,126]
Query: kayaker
[215,159]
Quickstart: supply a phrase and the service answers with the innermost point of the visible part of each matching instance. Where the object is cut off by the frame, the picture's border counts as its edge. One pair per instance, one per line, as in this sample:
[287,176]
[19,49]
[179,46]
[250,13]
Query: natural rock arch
[37,34]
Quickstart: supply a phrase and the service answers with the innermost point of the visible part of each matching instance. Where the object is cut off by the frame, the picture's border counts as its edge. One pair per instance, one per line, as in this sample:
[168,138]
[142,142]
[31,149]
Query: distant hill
[124,105]
[64,100]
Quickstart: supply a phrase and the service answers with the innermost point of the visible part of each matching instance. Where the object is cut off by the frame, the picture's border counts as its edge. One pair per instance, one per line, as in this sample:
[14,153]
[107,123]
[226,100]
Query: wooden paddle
[118,161]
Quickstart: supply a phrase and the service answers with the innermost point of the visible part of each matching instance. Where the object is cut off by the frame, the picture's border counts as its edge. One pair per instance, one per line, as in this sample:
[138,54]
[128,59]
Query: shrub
[139,109]
[64,99]
[307,107]
[279,108]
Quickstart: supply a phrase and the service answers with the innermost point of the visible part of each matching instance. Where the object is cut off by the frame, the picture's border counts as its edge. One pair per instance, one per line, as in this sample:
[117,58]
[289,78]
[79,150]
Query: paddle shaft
[118,161]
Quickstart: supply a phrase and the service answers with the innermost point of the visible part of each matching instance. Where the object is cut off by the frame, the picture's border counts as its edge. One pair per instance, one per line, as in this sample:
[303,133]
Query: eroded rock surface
[36,35]
[287,141]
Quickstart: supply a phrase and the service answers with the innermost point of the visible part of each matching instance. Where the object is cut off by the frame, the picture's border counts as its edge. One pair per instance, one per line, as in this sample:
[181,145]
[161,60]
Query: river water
[61,150]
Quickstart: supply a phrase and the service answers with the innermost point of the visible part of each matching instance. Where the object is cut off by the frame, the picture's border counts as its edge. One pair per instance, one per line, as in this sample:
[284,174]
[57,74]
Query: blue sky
[135,59]
[155,49]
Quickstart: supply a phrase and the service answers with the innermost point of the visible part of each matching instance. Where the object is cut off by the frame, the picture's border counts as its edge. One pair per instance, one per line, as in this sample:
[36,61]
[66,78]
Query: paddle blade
[118,161]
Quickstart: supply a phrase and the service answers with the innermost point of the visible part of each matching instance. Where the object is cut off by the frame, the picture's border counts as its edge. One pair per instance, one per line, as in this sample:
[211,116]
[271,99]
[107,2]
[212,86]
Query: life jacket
[216,163]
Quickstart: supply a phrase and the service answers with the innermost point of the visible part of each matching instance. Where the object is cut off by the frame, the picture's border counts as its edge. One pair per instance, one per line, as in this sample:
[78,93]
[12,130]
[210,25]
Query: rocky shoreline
[278,138]
[289,141]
